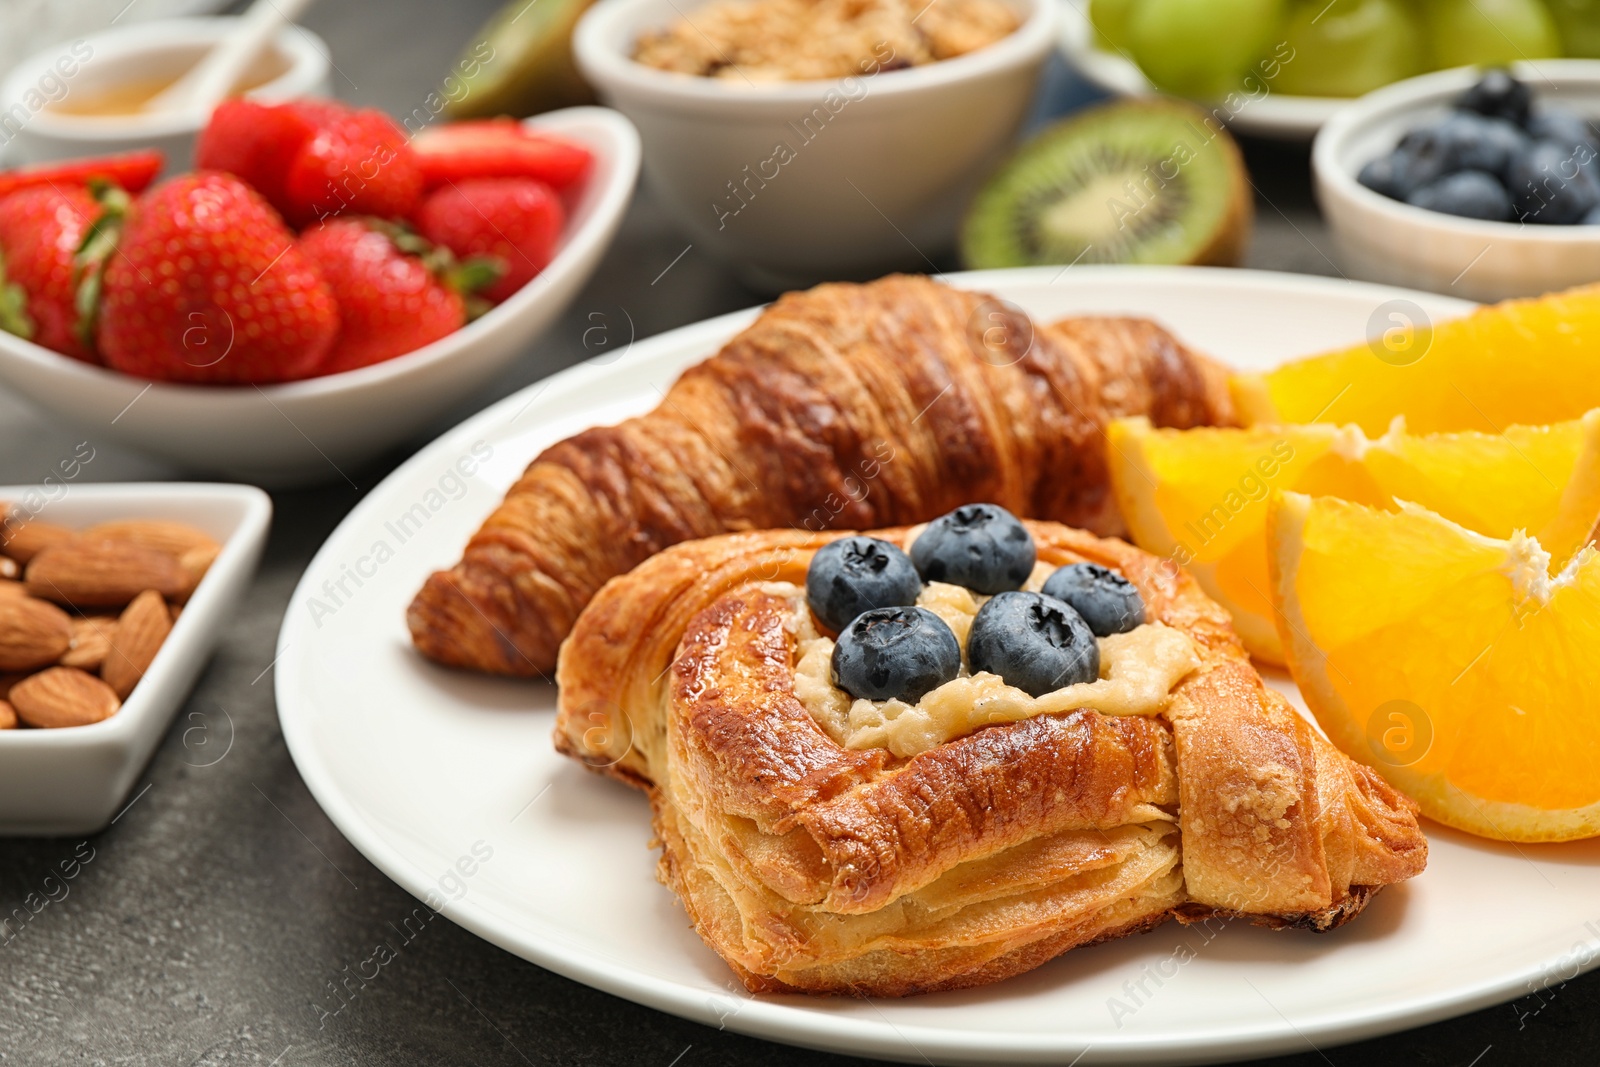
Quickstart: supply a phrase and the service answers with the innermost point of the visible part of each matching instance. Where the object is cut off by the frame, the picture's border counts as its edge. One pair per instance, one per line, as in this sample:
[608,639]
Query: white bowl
[75,779]
[1386,240]
[147,52]
[876,183]
[315,430]
[1280,116]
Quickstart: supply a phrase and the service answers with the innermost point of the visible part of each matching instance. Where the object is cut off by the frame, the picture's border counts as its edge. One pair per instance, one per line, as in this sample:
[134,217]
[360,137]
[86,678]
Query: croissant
[848,406]
[820,867]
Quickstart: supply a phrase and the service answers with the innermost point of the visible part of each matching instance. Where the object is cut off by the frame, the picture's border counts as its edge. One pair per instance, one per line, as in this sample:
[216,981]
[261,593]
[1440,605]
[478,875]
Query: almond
[102,574]
[91,641]
[8,716]
[32,633]
[63,696]
[9,588]
[195,563]
[9,680]
[27,539]
[140,632]
[173,538]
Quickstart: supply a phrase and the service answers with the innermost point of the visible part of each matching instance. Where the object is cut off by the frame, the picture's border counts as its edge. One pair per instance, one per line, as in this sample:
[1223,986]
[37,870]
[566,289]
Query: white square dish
[73,780]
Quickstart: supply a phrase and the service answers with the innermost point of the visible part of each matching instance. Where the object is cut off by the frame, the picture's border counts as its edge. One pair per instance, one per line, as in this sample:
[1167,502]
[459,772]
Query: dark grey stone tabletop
[206,925]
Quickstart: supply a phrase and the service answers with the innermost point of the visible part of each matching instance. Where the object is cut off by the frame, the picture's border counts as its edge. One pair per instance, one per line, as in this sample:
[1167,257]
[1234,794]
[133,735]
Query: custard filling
[1138,671]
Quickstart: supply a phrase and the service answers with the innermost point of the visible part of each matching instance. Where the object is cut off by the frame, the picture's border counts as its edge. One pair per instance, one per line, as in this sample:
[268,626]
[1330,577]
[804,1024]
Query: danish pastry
[848,406]
[826,842]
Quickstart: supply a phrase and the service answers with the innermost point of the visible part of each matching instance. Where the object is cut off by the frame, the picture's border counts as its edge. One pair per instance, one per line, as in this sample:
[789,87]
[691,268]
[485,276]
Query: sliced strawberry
[41,232]
[359,163]
[516,221]
[133,171]
[314,159]
[256,142]
[208,285]
[396,292]
[497,148]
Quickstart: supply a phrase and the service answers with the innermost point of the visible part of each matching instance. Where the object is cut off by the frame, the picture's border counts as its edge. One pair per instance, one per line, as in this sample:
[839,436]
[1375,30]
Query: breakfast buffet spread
[941,637]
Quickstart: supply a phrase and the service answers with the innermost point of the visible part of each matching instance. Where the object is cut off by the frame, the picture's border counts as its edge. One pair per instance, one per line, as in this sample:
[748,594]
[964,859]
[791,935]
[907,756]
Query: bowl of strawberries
[319,288]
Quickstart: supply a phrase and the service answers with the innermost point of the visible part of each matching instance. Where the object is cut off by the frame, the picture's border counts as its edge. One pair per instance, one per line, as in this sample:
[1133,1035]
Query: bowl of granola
[804,140]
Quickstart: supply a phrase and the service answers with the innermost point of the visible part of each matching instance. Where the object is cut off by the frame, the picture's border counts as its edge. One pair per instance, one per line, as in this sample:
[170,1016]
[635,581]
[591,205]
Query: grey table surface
[215,914]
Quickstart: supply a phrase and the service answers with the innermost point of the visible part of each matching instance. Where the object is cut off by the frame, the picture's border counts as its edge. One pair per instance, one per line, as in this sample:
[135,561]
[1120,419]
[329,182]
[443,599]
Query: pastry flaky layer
[812,867]
[847,406]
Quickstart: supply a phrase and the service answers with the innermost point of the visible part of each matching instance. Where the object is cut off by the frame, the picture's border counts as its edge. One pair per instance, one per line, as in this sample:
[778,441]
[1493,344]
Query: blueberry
[1498,95]
[1486,144]
[1549,185]
[981,546]
[895,653]
[1108,602]
[1471,194]
[856,574]
[1033,642]
[1388,174]
[1460,140]
[1566,128]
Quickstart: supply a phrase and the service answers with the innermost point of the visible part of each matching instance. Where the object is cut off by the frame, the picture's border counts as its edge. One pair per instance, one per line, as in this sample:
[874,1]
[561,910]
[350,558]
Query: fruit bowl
[1276,115]
[1386,240]
[314,430]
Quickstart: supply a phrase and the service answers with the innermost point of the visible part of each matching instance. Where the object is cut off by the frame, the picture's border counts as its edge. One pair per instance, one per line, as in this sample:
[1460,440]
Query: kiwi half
[1136,181]
[521,63]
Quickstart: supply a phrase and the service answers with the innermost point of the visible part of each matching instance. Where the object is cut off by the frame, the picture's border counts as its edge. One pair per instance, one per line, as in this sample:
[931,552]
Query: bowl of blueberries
[1477,183]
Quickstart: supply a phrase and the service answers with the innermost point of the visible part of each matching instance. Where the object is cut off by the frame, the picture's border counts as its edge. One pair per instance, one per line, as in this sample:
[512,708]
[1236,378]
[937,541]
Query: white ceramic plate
[75,779]
[419,766]
[1275,115]
[316,429]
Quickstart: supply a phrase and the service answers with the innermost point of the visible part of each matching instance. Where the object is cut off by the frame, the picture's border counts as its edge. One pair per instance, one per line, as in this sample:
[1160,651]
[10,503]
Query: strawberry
[396,292]
[208,285]
[313,159]
[360,162]
[255,142]
[133,171]
[514,220]
[41,230]
[497,148]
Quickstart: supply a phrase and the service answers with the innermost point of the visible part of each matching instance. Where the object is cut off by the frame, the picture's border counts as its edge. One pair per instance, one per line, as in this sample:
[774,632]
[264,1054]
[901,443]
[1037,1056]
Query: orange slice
[1200,496]
[1524,361]
[1453,663]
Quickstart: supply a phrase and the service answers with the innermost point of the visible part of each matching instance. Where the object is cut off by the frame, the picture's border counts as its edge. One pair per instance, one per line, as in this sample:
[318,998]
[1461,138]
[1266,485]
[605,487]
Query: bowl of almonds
[112,598]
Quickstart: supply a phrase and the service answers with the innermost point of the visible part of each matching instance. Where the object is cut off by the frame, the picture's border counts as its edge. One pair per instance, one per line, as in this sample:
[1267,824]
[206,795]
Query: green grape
[1350,48]
[1490,32]
[1201,48]
[1580,26]
[1110,19]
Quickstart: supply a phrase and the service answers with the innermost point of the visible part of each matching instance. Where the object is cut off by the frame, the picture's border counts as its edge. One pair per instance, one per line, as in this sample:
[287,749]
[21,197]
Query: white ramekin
[1386,240]
[140,52]
[876,181]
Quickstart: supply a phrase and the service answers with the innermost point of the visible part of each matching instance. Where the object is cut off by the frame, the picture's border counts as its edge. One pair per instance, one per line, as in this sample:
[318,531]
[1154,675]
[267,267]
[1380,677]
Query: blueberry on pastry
[857,574]
[895,654]
[1108,602]
[1033,642]
[890,842]
[981,546]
